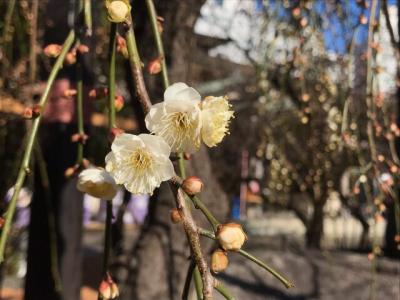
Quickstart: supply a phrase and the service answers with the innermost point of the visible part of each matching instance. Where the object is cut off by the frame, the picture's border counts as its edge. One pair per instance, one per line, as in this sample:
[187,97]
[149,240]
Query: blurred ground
[277,239]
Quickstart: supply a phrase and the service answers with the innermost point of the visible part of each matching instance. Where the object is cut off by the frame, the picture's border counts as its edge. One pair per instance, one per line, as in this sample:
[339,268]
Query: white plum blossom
[216,116]
[139,162]
[97,183]
[178,118]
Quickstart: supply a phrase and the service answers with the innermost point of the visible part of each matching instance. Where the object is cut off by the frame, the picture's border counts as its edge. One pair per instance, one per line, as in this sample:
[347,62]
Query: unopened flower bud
[108,289]
[114,132]
[70,58]
[32,112]
[160,21]
[71,171]
[79,137]
[119,102]
[175,216]
[52,50]
[98,93]
[192,185]
[121,46]
[219,261]
[231,236]
[2,221]
[154,66]
[70,93]
[117,10]
[82,49]
[85,163]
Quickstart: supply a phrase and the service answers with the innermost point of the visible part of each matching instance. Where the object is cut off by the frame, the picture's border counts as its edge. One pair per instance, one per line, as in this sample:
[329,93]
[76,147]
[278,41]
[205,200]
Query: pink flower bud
[192,185]
[231,236]
[82,49]
[70,58]
[32,112]
[70,93]
[52,50]
[119,102]
[154,67]
[108,289]
[114,132]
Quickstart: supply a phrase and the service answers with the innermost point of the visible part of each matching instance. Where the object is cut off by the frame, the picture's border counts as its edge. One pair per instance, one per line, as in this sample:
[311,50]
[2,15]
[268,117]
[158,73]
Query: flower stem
[278,276]
[111,76]
[254,259]
[87,10]
[198,284]
[181,164]
[108,237]
[189,275]
[79,107]
[30,142]
[111,124]
[159,43]
[223,291]
[210,217]
[136,67]
[50,217]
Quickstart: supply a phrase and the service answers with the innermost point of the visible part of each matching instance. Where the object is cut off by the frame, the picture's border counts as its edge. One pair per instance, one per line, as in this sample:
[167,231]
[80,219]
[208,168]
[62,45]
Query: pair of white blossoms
[141,162]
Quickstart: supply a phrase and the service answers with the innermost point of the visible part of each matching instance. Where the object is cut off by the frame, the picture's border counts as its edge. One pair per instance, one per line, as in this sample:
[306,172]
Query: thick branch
[193,237]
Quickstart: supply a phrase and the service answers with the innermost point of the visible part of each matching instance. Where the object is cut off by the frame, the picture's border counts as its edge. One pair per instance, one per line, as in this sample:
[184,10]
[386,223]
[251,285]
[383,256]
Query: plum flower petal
[178,119]
[139,162]
[216,116]
[98,183]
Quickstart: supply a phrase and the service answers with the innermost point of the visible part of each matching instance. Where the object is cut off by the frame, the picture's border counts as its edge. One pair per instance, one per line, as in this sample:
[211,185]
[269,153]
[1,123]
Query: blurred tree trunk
[315,226]
[391,246]
[162,252]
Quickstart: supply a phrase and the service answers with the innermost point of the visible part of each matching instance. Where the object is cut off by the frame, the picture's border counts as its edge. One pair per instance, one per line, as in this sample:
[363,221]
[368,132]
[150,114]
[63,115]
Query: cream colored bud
[192,185]
[231,236]
[118,10]
[219,261]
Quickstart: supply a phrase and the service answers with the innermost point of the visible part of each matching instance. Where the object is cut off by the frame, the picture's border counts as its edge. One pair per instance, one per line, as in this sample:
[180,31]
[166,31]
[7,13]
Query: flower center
[181,121]
[141,160]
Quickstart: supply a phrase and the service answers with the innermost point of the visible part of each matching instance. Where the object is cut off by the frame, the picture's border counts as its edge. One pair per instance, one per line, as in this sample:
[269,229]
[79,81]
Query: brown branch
[193,237]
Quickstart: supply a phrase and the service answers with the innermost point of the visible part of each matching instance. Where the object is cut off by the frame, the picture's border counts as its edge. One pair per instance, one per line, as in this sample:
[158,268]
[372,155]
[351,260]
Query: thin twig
[111,76]
[31,140]
[87,10]
[32,41]
[160,48]
[198,284]
[223,290]
[287,283]
[136,67]
[186,287]
[51,218]
[111,124]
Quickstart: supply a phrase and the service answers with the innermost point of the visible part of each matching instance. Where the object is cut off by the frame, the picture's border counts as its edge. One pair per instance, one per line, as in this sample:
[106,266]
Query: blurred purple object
[23,213]
[138,207]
